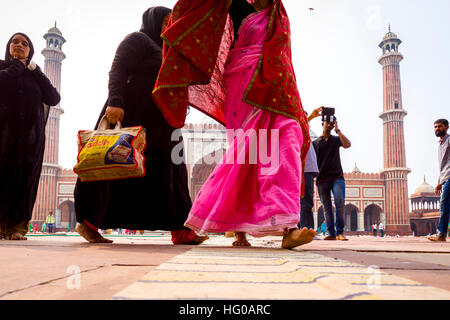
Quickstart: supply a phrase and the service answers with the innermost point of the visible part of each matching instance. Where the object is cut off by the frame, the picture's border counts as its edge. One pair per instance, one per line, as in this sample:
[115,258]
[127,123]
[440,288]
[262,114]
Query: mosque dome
[425,187]
[356,169]
[55,30]
[389,36]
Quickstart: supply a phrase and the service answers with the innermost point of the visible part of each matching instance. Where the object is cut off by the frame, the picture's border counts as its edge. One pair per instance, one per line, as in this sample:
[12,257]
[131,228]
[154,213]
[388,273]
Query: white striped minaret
[46,196]
[395,172]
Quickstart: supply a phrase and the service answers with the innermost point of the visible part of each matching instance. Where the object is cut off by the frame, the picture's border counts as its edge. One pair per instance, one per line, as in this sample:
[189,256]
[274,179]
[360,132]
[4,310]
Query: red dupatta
[196,45]
[191,68]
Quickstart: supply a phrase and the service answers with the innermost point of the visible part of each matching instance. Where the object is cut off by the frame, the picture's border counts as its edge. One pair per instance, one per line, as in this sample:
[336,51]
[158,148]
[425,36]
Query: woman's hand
[114,114]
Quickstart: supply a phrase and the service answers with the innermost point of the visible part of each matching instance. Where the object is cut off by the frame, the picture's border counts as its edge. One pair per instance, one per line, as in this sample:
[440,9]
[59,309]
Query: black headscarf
[8,56]
[152,23]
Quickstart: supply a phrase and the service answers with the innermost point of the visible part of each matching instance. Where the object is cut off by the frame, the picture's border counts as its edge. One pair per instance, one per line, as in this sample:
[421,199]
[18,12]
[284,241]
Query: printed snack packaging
[110,154]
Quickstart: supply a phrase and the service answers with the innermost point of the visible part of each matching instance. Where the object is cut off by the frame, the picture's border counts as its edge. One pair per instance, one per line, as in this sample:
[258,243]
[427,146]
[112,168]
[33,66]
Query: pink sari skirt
[256,187]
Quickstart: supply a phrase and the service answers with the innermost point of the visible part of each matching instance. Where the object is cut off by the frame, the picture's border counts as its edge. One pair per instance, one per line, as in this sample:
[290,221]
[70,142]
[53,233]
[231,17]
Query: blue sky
[335,52]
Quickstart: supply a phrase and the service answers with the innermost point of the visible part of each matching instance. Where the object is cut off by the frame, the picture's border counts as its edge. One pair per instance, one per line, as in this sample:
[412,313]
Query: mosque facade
[425,210]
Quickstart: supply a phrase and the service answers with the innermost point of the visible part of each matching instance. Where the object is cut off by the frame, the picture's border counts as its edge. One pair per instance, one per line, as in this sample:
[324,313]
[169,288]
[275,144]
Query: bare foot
[199,239]
[241,240]
[229,234]
[297,238]
[90,235]
[16,237]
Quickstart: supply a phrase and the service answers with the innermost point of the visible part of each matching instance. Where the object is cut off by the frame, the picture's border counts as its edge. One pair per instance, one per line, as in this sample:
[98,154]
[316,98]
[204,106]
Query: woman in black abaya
[160,200]
[23,91]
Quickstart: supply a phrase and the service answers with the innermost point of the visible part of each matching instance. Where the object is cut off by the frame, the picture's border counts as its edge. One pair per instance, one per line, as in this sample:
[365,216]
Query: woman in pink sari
[256,188]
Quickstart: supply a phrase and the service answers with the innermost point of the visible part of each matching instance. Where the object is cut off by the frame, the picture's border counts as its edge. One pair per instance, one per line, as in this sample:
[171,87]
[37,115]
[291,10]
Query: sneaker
[341,238]
[437,238]
[330,238]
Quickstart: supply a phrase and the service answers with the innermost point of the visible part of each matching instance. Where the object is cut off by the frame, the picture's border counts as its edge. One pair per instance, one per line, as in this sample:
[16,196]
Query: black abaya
[160,200]
[22,136]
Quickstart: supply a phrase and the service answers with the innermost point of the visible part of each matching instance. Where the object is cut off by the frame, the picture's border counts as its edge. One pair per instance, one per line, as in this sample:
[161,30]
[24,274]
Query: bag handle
[104,124]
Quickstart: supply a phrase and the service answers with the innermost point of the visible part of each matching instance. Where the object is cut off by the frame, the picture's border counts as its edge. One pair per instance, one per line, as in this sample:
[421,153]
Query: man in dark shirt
[331,178]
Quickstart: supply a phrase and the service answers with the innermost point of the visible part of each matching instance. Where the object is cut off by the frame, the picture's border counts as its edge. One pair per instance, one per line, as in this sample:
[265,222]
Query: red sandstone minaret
[395,171]
[46,197]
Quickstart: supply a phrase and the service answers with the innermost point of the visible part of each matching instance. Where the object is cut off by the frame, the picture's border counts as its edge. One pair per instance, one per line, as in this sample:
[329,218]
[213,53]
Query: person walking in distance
[443,186]
[50,221]
[323,228]
[331,176]
[381,228]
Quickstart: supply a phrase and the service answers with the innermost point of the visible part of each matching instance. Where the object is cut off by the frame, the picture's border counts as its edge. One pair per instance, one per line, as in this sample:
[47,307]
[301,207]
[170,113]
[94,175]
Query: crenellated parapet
[203,126]
[362,176]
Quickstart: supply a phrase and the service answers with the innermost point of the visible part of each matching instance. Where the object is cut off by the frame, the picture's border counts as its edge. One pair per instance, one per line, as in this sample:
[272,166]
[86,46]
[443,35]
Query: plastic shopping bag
[106,154]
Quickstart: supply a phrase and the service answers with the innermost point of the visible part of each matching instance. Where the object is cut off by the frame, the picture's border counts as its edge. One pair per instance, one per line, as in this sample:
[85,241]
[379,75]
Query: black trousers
[307,203]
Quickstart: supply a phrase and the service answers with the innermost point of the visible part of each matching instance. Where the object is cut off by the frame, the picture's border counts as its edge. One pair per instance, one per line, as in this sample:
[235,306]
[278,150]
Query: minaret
[395,171]
[46,197]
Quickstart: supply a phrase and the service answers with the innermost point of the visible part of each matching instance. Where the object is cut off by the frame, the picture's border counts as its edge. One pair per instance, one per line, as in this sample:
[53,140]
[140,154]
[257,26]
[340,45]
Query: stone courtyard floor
[65,267]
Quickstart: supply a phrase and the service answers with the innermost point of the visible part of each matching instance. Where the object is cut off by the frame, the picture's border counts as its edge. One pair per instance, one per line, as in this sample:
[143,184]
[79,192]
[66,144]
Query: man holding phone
[331,176]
